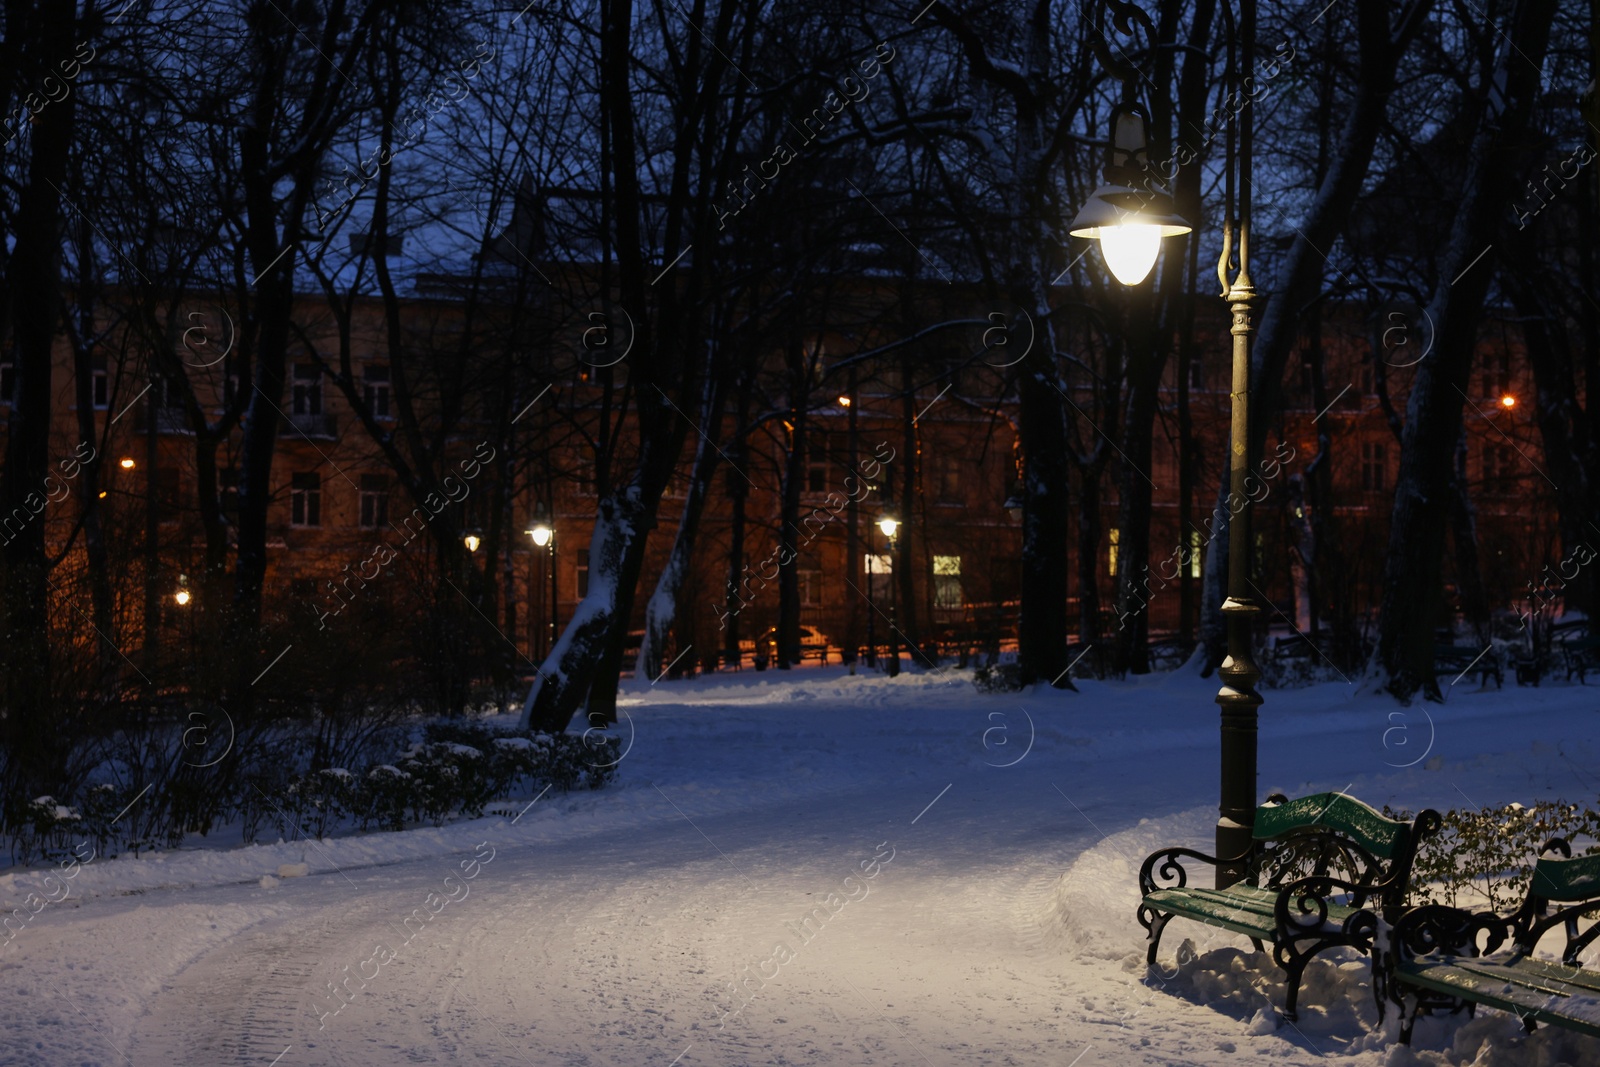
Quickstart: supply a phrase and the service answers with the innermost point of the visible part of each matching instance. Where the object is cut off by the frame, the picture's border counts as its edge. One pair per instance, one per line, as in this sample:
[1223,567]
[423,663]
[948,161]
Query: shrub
[1485,856]
[1000,678]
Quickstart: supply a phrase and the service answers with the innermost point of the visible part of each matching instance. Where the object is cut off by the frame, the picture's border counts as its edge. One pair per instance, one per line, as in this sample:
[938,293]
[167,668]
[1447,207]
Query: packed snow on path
[823,870]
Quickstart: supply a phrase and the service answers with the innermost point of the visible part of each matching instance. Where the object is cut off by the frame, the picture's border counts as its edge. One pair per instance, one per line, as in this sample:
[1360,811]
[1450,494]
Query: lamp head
[472,542]
[888,524]
[1129,223]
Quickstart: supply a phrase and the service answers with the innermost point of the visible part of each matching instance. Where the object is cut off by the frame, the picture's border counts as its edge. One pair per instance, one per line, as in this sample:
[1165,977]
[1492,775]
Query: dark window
[1497,374]
[228,488]
[377,390]
[1369,385]
[1197,373]
[166,479]
[305,499]
[374,500]
[8,382]
[1374,465]
[307,389]
[583,573]
[817,461]
[810,581]
[1498,466]
[949,488]
[303,588]
[99,384]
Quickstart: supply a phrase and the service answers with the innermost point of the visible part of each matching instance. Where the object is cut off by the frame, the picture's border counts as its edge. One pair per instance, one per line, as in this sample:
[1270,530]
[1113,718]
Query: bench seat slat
[1510,987]
[1240,908]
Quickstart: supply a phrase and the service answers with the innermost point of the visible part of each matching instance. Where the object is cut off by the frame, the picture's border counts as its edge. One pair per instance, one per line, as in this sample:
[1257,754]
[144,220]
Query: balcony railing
[319,425]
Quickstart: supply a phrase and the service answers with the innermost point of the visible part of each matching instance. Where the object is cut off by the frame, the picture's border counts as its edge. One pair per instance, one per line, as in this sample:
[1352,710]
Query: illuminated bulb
[181,596]
[541,535]
[1130,250]
[126,463]
[844,401]
[472,542]
[1508,401]
[888,526]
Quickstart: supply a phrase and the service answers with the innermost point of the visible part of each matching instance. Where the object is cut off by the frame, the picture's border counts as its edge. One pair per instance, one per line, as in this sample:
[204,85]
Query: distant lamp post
[472,541]
[1013,504]
[890,527]
[1508,401]
[844,401]
[1129,223]
[1129,214]
[543,532]
[126,463]
[181,597]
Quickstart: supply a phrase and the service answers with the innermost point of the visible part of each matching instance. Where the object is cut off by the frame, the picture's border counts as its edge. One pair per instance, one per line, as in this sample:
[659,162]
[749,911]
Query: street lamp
[890,526]
[181,597]
[126,463]
[543,532]
[1129,228]
[472,541]
[1129,214]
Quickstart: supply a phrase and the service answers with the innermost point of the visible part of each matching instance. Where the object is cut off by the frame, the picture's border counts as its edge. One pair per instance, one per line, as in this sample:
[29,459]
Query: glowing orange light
[1508,401]
[127,463]
[182,597]
[102,494]
[844,401]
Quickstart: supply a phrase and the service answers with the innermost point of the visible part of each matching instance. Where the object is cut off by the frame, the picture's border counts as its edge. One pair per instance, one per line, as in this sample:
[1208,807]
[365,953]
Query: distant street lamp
[1508,401]
[472,541]
[181,597]
[126,463]
[543,532]
[890,526]
[1129,224]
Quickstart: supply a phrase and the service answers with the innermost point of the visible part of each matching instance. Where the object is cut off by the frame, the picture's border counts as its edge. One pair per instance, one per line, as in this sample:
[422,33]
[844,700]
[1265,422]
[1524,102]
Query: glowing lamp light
[1508,401]
[472,542]
[1129,214]
[182,597]
[541,531]
[126,463]
[1129,224]
[844,401]
[888,524]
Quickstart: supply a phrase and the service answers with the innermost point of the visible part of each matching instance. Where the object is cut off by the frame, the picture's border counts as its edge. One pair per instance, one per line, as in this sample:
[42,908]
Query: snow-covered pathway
[834,870]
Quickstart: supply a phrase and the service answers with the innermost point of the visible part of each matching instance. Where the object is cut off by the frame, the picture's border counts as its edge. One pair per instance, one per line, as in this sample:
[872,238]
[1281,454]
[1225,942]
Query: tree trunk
[1379,50]
[1403,661]
[33,281]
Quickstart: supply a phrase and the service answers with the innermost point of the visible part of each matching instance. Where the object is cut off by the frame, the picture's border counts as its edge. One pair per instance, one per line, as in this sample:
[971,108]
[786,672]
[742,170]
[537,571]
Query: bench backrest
[1567,880]
[1380,835]
[1336,835]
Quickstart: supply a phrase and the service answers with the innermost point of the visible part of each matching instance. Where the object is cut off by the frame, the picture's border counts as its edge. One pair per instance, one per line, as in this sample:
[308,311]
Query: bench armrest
[1303,907]
[1448,931]
[1171,872]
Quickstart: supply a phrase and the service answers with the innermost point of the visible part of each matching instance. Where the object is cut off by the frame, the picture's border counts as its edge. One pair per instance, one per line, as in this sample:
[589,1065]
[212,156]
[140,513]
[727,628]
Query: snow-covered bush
[999,678]
[1484,857]
[319,801]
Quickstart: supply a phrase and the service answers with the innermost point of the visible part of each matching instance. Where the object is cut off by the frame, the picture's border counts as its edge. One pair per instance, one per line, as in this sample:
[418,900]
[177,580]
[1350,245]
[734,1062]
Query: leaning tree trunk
[1402,663]
[662,609]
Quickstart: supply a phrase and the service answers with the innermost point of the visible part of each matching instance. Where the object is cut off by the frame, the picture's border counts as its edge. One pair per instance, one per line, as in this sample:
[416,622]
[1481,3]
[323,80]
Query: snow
[817,869]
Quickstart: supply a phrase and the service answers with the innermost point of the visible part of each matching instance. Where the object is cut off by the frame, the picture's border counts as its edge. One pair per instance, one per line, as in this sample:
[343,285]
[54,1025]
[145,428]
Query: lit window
[1115,539]
[879,563]
[1196,553]
[305,500]
[947,582]
[810,582]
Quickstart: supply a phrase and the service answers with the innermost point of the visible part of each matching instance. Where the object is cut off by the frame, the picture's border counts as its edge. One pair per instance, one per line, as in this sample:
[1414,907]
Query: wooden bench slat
[1575,976]
[1378,834]
[1577,1010]
[1242,909]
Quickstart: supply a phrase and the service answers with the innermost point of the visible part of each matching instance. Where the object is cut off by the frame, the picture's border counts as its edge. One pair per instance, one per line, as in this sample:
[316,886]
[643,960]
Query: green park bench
[1444,958]
[1315,866]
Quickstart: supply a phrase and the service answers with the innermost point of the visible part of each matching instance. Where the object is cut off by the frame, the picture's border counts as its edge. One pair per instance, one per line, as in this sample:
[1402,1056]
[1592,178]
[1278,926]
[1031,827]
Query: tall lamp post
[889,525]
[543,532]
[1129,215]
